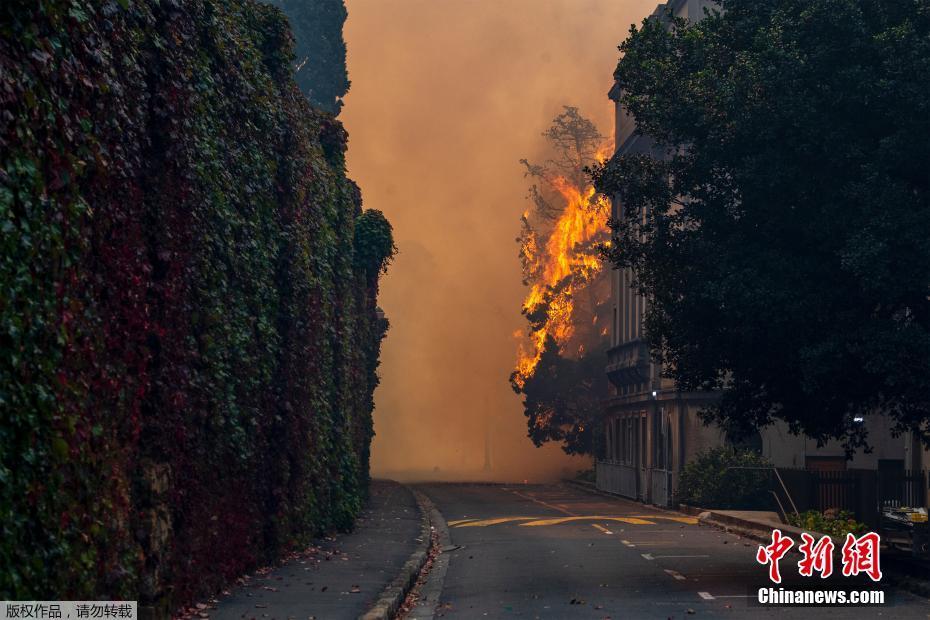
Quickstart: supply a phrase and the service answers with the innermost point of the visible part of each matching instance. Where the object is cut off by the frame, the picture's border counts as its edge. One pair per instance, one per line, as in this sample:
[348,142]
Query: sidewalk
[341,577]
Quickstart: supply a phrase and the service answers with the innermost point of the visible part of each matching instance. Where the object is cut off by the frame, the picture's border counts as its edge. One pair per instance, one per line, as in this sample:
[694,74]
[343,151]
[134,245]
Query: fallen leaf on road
[260,605]
[323,589]
[690,612]
[355,590]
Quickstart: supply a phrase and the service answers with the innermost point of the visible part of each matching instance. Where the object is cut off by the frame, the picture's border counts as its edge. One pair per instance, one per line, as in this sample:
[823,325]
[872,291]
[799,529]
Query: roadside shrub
[713,480]
[833,522]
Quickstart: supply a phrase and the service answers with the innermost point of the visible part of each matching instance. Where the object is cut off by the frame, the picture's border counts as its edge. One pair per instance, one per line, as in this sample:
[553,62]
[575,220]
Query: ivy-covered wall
[188,330]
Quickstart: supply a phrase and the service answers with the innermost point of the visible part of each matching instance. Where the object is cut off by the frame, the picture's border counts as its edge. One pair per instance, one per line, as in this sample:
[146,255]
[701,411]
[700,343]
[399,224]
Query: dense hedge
[187,342]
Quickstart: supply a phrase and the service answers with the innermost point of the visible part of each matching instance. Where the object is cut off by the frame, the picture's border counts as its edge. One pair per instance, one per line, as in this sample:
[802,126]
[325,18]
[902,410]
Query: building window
[825,463]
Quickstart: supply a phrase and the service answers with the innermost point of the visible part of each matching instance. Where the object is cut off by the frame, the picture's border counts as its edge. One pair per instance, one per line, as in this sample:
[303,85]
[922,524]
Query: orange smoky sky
[446,97]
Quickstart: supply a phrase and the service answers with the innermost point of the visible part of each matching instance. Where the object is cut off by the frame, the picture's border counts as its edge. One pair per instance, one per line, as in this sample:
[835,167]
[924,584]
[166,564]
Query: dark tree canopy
[320,50]
[562,399]
[786,244]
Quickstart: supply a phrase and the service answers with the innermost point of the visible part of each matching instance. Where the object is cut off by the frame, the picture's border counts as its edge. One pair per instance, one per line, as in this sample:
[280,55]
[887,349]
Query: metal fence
[619,478]
[862,492]
[903,488]
[661,487]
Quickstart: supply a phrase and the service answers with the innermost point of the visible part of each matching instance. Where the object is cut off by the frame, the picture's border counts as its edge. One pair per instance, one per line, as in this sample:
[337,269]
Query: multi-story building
[651,429]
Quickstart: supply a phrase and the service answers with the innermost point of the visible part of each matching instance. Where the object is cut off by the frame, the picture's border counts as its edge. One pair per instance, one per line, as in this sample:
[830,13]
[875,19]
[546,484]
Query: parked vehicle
[906,528]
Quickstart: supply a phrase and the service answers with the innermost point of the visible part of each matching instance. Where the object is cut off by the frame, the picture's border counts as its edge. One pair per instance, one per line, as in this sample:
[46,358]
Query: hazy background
[446,97]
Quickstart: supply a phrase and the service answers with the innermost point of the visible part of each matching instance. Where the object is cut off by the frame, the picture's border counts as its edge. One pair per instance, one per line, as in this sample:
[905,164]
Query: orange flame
[558,265]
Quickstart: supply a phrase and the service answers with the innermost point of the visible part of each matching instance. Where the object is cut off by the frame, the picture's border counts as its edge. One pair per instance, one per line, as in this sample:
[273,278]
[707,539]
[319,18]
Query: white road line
[647,556]
[627,543]
[601,528]
[706,596]
[735,595]
[675,574]
[677,556]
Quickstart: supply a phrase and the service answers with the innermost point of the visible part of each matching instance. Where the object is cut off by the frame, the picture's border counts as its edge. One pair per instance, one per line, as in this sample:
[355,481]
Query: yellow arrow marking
[685,520]
[536,521]
[487,522]
[557,521]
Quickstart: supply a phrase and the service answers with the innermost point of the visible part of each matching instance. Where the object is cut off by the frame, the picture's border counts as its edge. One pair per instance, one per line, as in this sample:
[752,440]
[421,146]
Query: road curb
[385,608]
[431,589]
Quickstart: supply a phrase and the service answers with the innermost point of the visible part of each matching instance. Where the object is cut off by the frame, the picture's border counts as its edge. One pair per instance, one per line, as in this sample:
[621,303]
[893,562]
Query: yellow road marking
[537,522]
[559,520]
[487,522]
[601,528]
[685,520]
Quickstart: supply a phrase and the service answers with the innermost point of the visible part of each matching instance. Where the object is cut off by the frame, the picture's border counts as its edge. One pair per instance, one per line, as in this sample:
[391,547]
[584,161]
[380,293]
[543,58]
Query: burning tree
[559,369]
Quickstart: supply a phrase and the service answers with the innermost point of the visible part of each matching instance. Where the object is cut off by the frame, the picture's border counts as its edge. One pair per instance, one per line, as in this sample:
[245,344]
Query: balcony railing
[628,363]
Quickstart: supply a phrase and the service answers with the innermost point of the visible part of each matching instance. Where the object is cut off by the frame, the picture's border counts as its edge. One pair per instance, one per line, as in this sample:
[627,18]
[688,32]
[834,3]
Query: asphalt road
[559,552]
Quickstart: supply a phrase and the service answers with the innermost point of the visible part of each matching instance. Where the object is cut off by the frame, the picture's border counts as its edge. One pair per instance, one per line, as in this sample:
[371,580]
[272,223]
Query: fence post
[868,511]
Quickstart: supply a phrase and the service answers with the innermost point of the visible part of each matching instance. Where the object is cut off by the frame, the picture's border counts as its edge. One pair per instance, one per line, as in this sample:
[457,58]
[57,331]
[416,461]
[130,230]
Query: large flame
[557,266]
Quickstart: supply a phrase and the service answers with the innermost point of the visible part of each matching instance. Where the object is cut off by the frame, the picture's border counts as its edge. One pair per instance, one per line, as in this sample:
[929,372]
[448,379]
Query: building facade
[652,430]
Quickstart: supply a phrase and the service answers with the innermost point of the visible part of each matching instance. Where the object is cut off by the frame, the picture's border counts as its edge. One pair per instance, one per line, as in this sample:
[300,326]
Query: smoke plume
[446,98]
